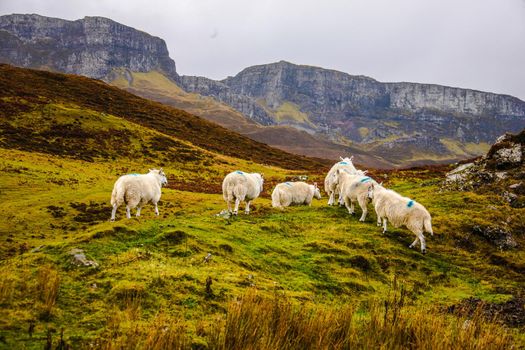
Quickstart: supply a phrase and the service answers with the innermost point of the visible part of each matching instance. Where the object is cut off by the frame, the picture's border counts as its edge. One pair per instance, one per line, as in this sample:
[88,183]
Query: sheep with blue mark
[294,193]
[332,188]
[401,211]
[239,186]
[136,190]
[353,188]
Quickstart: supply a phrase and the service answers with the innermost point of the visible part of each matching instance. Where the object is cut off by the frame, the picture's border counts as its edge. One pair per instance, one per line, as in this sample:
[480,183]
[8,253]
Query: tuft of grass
[47,288]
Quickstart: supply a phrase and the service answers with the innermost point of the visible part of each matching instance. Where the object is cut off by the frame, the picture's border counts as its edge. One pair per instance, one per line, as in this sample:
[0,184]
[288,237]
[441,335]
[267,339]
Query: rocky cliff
[387,117]
[92,46]
[402,123]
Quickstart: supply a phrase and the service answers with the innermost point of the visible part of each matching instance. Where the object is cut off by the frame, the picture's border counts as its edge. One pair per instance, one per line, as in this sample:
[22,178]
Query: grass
[305,277]
[151,283]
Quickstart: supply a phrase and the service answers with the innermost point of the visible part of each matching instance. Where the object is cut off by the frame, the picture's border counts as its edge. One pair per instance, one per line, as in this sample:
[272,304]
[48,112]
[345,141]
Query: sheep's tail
[276,198]
[114,195]
[428,225]
[227,191]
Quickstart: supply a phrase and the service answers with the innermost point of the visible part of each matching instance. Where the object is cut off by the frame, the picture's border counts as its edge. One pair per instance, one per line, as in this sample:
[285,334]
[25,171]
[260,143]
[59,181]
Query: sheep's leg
[128,212]
[384,225]
[423,243]
[414,243]
[114,211]
[352,208]
[347,205]
[364,208]
[236,208]
[156,209]
[378,221]
[138,211]
[247,210]
[331,198]
[229,206]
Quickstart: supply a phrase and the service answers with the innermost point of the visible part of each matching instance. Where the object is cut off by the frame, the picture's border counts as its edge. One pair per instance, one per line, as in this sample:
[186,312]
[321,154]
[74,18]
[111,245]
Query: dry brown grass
[47,287]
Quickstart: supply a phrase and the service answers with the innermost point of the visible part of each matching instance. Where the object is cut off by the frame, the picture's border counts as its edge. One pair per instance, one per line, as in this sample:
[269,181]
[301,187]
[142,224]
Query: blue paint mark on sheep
[239,172]
[343,163]
[134,174]
[289,184]
[410,204]
[365,179]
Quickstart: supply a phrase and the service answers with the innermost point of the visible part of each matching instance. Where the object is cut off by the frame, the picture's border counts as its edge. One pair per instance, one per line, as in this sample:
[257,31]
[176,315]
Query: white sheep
[288,193]
[136,190]
[401,211]
[241,186]
[329,186]
[354,187]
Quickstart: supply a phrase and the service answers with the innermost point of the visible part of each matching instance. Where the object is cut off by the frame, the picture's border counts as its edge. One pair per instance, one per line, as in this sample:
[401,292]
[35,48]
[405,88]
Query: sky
[477,44]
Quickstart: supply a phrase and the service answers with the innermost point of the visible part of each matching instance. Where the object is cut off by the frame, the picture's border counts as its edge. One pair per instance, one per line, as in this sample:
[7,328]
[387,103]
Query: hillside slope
[402,122]
[193,279]
[46,87]
[156,86]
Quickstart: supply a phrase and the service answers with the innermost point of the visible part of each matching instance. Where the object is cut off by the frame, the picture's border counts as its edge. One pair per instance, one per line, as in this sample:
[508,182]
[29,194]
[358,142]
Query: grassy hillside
[154,85]
[306,277]
[18,96]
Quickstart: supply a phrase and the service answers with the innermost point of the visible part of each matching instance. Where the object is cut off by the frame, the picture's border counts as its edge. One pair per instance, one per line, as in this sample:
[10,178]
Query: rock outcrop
[501,170]
[92,46]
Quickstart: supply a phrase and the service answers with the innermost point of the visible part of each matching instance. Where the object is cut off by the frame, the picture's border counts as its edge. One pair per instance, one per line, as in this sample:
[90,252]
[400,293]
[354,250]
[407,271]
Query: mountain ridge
[402,123]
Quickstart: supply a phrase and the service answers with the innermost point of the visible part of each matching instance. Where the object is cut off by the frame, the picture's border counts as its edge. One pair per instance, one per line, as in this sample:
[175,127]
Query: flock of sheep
[344,180]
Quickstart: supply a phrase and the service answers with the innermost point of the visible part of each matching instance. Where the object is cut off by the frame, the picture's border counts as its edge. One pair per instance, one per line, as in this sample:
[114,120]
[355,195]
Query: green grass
[316,255]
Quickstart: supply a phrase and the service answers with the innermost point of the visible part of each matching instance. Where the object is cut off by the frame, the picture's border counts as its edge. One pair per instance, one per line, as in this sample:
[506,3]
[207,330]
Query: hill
[93,95]
[405,123]
[298,108]
[193,279]
[156,86]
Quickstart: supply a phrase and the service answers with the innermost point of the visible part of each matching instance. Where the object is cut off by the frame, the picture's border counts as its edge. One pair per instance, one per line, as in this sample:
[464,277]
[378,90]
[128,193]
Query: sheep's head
[317,193]
[160,175]
[371,191]
[260,178]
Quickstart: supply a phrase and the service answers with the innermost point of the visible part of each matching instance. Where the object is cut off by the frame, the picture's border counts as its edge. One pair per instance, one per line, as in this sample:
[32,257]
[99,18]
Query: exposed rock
[497,236]
[504,161]
[92,46]
[417,121]
[80,259]
[415,117]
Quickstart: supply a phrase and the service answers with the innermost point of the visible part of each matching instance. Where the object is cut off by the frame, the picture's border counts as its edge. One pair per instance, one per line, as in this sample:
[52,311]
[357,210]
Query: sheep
[354,187]
[135,190]
[401,211]
[241,186]
[330,188]
[288,193]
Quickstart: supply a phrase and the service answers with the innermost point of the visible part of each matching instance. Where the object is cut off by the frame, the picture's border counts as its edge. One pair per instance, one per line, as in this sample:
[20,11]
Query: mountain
[92,46]
[401,122]
[18,99]
[301,109]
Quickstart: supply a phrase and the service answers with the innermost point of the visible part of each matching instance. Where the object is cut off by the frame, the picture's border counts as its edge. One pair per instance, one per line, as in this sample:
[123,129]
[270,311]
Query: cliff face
[92,46]
[393,119]
[404,123]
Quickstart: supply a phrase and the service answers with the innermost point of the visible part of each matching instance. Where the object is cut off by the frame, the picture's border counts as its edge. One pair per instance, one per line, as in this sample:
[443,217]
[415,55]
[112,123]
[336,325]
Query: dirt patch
[91,213]
[511,313]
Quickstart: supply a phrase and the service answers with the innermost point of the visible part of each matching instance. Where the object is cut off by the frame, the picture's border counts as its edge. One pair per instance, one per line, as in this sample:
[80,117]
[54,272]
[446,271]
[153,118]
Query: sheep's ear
[151,170]
[381,184]
[262,175]
[351,158]
[365,172]
[315,184]
[161,169]
[341,158]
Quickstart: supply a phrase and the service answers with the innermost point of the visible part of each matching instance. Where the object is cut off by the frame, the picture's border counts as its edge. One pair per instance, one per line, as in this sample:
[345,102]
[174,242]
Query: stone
[80,259]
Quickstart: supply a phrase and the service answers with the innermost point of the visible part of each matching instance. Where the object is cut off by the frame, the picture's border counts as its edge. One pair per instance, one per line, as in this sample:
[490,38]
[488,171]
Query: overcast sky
[478,44]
